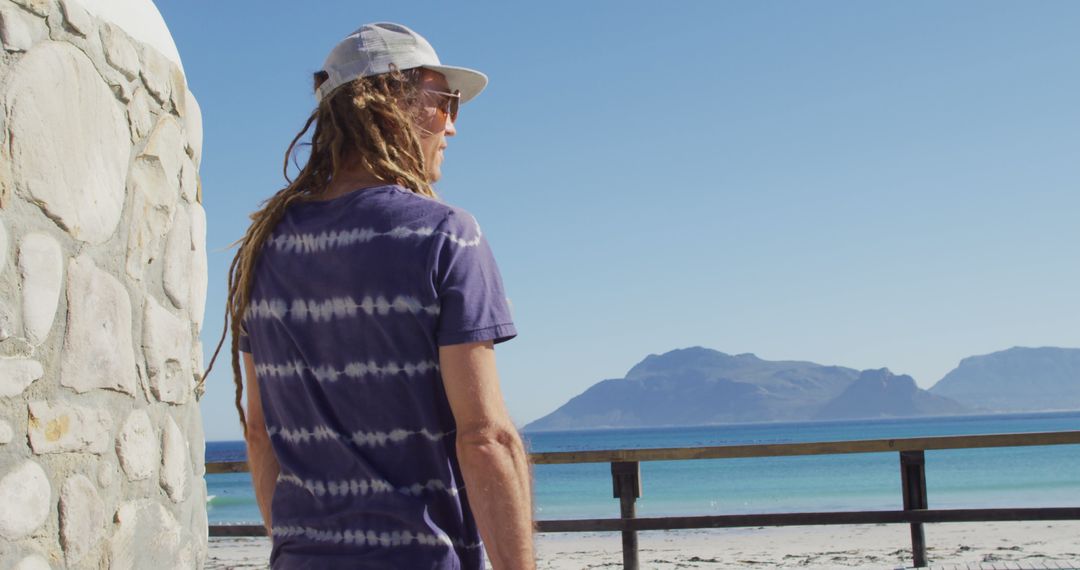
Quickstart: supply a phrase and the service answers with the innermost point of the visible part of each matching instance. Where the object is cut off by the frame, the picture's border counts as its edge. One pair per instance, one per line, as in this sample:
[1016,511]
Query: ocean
[1041,476]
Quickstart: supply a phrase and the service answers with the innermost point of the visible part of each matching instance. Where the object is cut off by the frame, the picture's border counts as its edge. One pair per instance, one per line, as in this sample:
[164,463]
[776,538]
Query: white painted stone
[154,70]
[193,128]
[154,182]
[7,317]
[3,246]
[57,427]
[14,30]
[166,144]
[178,257]
[139,114]
[39,7]
[137,446]
[197,369]
[197,356]
[141,523]
[41,266]
[189,180]
[106,474]
[197,522]
[119,52]
[196,441]
[198,278]
[7,322]
[152,211]
[177,91]
[16,374]
[76,17]
[175,466]
[26,496]
[98,349]
[167,341]
[121,89]
[6,433]
[82,518]
[69,141]
[33,562]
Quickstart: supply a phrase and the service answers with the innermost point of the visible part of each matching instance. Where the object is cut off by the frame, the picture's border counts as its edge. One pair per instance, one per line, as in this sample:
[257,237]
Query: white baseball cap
[373,48]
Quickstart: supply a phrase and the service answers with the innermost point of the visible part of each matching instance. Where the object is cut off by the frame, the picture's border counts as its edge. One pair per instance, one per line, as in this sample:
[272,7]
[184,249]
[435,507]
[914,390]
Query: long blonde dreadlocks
[370,120]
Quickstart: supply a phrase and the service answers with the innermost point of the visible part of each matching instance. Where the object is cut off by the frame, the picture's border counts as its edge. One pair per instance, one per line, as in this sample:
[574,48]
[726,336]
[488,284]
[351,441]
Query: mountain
[695,386]
[1017,379]
[880,393]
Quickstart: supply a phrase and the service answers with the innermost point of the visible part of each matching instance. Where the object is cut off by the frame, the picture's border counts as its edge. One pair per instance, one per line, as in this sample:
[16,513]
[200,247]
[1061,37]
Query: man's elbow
[256,436]
[489,438]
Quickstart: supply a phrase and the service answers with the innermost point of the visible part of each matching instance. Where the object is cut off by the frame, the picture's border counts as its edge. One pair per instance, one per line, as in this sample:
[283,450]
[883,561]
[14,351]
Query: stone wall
[102,289]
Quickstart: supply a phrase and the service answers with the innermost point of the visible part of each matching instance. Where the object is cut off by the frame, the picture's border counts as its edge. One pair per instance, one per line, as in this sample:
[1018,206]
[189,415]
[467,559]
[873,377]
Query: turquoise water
[1018,477]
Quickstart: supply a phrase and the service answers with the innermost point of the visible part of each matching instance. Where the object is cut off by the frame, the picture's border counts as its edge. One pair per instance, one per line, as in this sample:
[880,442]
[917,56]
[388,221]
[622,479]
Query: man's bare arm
[261,460]
[493,459]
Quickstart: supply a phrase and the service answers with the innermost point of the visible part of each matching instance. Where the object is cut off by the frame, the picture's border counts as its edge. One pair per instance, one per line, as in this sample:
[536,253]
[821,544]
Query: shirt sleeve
[245,342]
[472,303]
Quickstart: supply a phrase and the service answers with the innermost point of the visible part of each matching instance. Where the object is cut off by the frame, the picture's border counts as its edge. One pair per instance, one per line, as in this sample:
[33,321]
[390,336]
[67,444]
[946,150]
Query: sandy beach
[1043,544]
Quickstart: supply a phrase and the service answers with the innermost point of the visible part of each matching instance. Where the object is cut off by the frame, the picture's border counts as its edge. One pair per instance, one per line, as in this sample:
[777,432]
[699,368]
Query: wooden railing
[626,482]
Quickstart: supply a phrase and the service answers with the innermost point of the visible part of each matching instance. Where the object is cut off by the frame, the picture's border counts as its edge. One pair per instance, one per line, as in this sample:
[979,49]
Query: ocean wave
[216,501]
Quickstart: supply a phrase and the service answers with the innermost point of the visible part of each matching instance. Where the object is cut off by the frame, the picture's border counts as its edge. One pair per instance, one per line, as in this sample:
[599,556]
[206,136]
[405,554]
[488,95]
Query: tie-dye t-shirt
[350,301]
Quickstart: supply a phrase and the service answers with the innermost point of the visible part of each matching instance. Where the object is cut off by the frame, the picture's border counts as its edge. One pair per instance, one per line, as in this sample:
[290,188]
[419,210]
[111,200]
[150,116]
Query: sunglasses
[449,103]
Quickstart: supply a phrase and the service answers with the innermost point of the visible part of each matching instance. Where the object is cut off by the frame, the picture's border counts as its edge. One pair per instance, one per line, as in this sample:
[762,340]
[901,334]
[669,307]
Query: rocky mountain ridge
[699,386]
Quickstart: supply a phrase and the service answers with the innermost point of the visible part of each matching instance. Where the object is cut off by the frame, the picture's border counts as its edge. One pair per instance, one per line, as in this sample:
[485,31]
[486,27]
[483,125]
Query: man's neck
[348,182]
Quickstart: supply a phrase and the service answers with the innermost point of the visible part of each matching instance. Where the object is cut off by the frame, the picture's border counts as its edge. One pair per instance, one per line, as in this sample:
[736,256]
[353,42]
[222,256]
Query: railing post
[913,484]
[626,484]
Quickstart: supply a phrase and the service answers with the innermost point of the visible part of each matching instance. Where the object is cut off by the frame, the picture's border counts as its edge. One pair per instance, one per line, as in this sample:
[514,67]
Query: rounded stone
[69,140]
[16,374]
[167,342]
[139,524]
[7,322]
[193,128]
[27,496]
[155,72]
[154,182]
[39,7]
[6,433]
[189,180]
[33,562]
[57,427]
[3,246]
[41,266]
[106,474]
[152,210]
[137,446]
[82,518]
[14,31]
[175,469]
[119,52]
[139,114]
[198,278]
[75,17]
[98,348]
[178,258]
[166,145]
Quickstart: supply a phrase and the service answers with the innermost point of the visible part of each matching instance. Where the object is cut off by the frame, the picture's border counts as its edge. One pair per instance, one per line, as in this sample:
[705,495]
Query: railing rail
[626,486]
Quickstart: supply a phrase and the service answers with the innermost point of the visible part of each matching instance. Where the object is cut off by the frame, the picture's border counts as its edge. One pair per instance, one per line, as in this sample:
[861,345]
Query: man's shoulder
[442,215]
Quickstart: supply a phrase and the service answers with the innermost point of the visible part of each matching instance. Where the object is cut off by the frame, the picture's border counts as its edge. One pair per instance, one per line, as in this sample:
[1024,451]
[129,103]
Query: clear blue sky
[865,184]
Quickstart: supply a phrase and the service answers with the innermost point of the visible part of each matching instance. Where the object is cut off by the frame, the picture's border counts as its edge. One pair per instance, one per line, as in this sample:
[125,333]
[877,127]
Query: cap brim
[469,81]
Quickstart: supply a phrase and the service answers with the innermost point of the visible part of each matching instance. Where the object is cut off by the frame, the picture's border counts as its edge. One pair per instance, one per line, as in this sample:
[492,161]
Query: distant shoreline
[884,420]
[880,419]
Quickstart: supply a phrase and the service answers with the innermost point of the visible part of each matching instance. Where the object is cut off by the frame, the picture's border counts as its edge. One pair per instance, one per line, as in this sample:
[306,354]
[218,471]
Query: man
[367,311]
